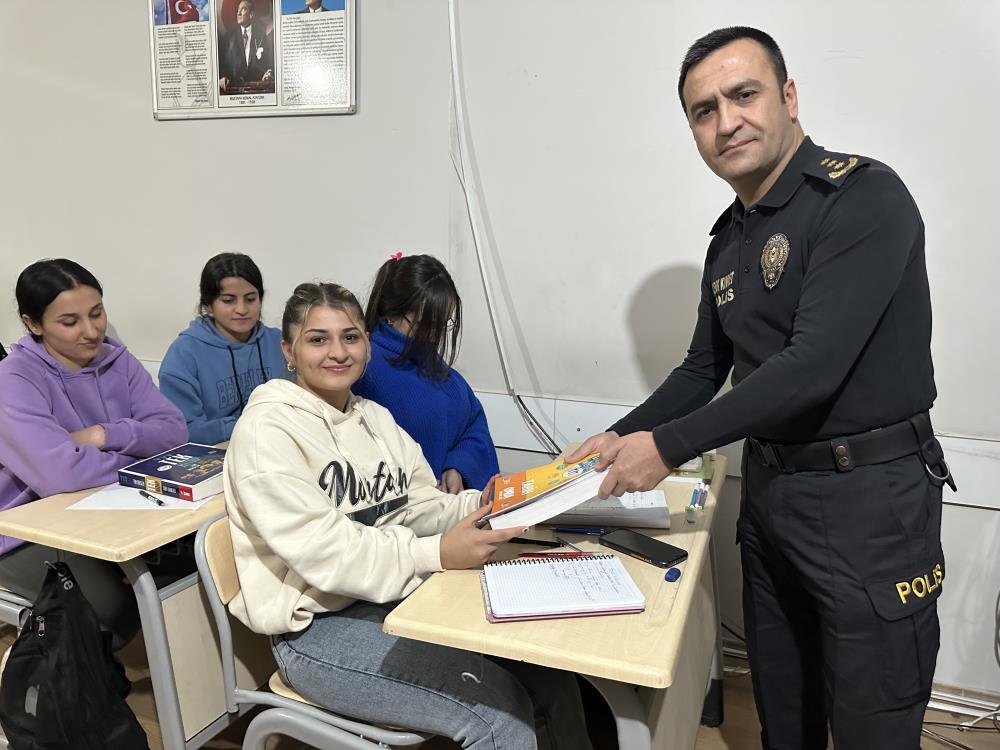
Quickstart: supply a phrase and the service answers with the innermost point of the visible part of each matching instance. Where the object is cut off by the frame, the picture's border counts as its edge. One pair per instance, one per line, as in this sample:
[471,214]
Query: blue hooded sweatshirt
[209,378]
[443,416]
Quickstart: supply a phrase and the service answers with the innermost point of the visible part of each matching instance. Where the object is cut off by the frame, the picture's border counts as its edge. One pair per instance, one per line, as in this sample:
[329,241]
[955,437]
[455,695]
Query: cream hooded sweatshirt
[328,507]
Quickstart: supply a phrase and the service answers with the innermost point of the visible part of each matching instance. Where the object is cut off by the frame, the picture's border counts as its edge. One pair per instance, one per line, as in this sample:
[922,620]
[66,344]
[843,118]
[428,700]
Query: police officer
[815,296]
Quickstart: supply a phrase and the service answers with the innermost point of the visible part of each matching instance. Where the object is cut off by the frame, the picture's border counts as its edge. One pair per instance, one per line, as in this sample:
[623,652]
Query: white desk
[175,624]
[652,668]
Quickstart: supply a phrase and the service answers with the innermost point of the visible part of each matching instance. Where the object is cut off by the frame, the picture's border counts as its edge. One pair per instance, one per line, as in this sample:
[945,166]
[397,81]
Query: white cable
[475,220]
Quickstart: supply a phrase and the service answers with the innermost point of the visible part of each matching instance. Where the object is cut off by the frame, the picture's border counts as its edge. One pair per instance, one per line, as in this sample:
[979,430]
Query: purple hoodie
[42,402]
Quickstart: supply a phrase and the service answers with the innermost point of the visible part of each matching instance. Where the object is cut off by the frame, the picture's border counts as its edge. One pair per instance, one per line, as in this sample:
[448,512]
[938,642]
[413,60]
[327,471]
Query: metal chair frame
[284,716]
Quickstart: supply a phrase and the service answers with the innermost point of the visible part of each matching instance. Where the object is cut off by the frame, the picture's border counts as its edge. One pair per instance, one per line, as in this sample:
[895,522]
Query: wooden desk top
[640,649]
[114,535]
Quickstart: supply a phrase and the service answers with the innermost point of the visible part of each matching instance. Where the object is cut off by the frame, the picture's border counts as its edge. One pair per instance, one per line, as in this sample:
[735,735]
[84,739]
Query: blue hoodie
[209,378]
[443,416]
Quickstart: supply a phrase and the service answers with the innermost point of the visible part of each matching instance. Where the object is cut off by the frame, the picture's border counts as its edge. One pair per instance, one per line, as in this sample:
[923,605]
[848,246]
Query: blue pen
[694,498]
[596,530]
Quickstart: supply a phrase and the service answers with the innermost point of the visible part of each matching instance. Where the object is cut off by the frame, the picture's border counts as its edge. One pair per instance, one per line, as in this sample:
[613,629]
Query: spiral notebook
[546,588]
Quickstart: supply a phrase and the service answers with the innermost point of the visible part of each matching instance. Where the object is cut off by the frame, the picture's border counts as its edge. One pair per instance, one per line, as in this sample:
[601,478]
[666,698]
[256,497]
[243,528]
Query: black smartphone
[645,548]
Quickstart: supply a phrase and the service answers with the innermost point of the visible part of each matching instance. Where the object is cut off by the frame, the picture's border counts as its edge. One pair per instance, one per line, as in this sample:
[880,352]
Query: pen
[568,544]
[152,497]
[556,554]
[694,497]
[537,542]
[597,530]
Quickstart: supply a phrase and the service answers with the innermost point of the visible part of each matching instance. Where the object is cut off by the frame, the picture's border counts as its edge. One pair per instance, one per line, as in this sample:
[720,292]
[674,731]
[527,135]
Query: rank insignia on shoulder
[773,259]
[835,166]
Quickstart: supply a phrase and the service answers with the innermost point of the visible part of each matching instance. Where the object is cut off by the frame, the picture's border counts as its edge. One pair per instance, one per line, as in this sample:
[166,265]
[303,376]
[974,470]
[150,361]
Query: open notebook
[543,588]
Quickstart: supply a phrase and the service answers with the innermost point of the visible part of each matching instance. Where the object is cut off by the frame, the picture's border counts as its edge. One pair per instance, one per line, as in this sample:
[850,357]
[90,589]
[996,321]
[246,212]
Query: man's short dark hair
[720,38]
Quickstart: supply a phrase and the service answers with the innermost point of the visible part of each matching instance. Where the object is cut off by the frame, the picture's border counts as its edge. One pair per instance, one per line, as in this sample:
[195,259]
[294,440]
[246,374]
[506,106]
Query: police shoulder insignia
[773,259]
[832,167]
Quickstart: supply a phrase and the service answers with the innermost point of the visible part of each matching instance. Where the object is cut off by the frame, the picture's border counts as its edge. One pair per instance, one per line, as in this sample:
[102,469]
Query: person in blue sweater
[414,315]
[211,368]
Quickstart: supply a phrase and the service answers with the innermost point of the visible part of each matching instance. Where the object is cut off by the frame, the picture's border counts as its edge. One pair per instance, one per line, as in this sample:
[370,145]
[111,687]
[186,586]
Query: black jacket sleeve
[696,381]
[859,251]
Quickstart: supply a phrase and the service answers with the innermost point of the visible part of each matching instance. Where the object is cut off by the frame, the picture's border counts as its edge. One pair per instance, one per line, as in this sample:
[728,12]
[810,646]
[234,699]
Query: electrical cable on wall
[463,167]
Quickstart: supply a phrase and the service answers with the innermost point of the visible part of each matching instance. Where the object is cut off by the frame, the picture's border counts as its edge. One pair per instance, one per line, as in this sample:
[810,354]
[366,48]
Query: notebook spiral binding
[537,560]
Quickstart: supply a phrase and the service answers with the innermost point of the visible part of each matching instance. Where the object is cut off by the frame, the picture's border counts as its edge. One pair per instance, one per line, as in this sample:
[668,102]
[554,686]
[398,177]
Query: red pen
[556,554]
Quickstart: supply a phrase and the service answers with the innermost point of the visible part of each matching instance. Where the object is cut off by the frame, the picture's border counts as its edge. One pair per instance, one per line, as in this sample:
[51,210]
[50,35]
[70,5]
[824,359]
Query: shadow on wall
[661,319]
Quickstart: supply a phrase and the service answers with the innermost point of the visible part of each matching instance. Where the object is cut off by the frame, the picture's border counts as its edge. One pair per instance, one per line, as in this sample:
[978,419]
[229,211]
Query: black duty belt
[877,446]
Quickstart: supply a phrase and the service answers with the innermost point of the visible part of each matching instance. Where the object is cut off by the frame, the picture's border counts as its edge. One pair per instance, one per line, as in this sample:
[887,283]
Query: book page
[577,584]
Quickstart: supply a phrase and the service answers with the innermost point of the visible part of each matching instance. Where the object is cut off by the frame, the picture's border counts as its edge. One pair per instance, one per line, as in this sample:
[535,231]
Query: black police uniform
[817,299]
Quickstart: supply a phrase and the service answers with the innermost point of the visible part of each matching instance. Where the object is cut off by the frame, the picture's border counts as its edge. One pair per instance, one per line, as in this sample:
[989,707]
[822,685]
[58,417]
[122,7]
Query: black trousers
[841,573]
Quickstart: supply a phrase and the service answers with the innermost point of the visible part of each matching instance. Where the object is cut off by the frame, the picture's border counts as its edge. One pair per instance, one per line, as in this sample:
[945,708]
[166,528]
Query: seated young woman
[335,517]
[414,315]
[75,406]
[210,369]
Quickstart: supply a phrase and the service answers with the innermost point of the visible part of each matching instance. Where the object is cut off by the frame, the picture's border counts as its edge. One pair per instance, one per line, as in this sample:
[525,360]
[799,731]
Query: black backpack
[61,688]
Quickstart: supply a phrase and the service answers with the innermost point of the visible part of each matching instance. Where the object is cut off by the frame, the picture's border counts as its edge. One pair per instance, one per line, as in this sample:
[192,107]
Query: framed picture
[249,58]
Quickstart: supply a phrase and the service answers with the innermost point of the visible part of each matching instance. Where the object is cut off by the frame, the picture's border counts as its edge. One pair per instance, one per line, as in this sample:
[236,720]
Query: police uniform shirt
[817,299]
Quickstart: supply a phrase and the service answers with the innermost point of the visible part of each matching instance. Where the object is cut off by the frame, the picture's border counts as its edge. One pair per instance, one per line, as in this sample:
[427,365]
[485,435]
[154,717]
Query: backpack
[61,687]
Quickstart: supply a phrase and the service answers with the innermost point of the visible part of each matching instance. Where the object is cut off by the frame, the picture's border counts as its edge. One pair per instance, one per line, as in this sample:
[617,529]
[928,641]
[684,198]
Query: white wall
[597,203]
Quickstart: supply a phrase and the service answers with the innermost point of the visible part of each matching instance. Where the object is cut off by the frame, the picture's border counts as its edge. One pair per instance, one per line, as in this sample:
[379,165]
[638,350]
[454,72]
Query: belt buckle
[769,454]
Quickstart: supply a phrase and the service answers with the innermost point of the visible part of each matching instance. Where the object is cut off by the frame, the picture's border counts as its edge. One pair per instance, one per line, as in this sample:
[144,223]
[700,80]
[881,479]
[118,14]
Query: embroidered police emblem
[773,259]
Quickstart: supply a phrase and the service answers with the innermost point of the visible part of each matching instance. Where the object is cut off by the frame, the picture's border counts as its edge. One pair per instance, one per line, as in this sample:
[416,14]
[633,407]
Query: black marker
[152,497]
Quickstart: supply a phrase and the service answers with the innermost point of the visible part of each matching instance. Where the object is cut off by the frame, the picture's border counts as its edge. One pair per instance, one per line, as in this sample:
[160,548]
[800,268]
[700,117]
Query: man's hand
[636,465]
[451,482]
[465,546]
[594,444]
[93,435]
[223,84]
[268,75]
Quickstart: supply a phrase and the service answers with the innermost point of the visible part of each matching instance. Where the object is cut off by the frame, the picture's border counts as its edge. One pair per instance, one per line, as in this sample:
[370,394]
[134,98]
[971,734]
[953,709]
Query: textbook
[187,472]
[546,588]
[535,495]
[646,509]
[696,470]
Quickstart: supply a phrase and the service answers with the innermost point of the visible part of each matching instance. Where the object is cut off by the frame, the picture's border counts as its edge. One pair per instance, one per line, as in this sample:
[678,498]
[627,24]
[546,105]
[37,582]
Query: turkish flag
[179,11]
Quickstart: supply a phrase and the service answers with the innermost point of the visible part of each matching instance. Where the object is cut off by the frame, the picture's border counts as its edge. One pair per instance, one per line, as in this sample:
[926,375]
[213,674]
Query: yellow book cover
[522,487]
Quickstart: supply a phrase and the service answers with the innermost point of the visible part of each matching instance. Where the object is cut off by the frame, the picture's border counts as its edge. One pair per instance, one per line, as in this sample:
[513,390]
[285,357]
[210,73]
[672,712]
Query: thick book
[541,492]
[548,588]
[696,470]
[188,472]
[645,509]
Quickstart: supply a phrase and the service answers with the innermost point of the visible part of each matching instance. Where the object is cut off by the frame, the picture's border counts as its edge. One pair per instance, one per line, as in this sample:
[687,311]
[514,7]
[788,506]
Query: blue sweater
[209,378]
[444,416]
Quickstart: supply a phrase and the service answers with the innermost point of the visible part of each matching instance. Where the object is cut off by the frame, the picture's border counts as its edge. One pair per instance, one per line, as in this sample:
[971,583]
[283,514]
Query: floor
[740,731]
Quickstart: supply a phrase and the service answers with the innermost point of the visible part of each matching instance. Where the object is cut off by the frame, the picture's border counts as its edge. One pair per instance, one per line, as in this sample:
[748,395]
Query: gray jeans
[344,661]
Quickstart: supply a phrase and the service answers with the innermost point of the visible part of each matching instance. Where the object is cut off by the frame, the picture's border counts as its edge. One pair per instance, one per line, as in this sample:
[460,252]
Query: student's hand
[594,444]
[451,482]
[486,498]
[465,546]
[636,465]
[93,435]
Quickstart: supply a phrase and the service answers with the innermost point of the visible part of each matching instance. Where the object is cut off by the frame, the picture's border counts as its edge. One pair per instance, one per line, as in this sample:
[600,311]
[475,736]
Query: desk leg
[713,712]
[629,713]
[161,673]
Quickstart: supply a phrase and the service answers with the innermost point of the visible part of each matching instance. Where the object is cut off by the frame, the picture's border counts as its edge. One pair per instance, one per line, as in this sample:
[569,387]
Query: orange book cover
[523,487]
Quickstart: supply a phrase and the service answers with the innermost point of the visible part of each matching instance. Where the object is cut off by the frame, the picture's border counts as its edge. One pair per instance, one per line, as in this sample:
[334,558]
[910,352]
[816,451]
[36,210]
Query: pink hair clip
[396,255]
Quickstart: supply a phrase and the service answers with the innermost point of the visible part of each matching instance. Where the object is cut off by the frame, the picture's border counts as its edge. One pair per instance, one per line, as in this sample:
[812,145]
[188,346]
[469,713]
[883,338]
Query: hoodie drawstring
[236,378]
[260,358]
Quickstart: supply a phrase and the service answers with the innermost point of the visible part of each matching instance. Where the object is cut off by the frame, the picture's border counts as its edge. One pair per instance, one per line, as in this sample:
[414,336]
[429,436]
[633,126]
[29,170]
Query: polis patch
[773,259]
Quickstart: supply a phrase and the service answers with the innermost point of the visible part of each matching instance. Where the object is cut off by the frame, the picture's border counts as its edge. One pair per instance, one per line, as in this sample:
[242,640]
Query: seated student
[414,315]
[211,368]
[75,406]
[335,517]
